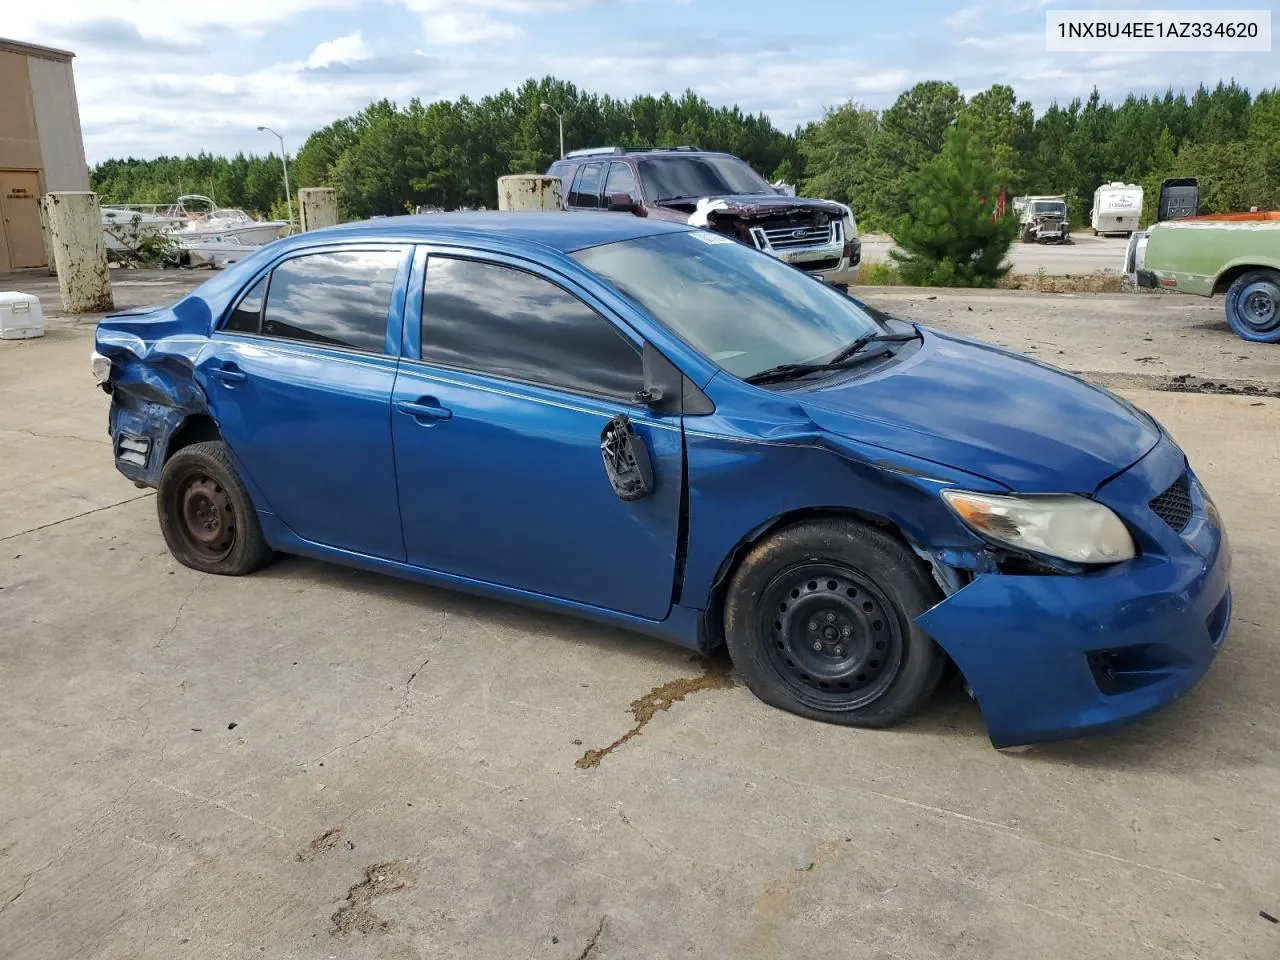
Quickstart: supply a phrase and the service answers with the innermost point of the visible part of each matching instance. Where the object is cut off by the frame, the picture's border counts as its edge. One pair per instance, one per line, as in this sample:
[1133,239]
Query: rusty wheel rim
[208,520]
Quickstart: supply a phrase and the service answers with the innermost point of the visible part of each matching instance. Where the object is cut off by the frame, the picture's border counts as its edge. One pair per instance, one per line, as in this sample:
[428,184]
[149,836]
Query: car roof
[562,231]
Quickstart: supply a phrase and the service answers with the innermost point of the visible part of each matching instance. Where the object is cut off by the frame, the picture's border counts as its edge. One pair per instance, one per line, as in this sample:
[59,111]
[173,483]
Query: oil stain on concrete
[715,677]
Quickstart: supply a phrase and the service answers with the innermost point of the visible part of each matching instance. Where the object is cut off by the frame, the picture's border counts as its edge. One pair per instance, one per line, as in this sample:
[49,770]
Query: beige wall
[39,125]
[53,94]
[19,140]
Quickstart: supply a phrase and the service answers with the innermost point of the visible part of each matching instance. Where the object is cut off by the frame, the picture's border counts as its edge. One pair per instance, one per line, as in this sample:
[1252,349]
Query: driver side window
[622,180]
[496,320]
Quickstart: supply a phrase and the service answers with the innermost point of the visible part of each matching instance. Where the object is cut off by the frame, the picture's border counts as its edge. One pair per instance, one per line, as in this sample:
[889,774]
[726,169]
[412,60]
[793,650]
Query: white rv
[1117,208]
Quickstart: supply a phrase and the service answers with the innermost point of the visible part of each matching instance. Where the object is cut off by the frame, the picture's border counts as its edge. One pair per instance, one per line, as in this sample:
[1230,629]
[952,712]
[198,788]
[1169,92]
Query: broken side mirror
[621,203]
[626,460]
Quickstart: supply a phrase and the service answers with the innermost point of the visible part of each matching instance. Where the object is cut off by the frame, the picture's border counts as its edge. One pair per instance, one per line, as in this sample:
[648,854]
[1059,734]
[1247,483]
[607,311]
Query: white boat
[216,252]
[124,225]
[223,222]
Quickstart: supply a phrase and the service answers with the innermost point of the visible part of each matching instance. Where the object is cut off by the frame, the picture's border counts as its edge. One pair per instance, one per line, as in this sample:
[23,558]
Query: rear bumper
[1053,657]
[1147,280]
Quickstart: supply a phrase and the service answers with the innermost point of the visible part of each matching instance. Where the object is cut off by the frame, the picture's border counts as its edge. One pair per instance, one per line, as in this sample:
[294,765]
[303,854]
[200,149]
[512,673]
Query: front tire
[206,516]
[1253,306]
[818,620]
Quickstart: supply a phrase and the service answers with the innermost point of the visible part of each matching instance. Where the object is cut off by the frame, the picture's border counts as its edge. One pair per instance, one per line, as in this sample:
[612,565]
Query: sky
[180,76]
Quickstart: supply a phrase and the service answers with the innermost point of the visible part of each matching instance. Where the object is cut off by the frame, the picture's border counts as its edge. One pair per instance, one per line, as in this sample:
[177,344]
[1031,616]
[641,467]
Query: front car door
[503,396]
[299,379]
[585,192]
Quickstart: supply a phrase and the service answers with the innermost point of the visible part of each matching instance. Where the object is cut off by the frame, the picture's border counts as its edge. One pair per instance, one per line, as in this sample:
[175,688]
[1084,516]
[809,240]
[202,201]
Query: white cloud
[469,26]
[340,50]
[964,17]
[163,17]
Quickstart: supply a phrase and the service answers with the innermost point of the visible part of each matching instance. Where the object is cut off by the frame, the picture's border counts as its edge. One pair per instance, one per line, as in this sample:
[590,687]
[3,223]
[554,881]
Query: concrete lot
[1088,254]
[314,762]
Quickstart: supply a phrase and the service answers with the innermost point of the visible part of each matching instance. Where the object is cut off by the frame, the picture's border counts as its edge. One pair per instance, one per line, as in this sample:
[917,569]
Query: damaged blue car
[661,428]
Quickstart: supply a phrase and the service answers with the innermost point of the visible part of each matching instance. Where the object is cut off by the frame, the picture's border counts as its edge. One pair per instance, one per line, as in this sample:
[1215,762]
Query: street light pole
[560,117]
[284,162]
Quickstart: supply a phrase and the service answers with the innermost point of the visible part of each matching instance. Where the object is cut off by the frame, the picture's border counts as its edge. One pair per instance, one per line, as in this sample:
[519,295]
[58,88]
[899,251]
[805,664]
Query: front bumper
[1052,657]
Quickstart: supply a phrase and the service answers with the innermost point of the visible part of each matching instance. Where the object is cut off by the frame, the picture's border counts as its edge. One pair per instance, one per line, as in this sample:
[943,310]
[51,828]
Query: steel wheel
[1259,306]
[834,639]
[1253,306]
[208,517]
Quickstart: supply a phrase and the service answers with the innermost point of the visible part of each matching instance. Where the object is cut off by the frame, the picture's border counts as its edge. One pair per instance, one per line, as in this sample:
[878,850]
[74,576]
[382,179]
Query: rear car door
[299,380]
[506,388]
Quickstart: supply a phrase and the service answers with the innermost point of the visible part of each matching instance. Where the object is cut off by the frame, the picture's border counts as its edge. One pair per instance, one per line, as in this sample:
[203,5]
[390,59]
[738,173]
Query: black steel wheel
[819,621]
[206,516]
[836,640]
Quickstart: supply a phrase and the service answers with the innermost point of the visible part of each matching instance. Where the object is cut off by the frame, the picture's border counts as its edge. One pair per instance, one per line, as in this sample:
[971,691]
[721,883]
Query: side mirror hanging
[626,460]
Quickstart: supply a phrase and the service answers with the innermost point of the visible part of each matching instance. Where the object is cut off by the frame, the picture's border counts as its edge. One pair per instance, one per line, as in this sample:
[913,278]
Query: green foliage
[388,158]
[950,236]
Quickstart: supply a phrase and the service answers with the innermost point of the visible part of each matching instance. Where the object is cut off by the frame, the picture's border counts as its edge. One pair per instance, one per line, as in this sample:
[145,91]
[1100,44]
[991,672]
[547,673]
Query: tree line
[388,158]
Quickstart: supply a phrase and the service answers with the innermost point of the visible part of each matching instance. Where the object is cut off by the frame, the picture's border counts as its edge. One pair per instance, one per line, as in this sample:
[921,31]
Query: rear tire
[1253,306]
[208,521]
[818,620]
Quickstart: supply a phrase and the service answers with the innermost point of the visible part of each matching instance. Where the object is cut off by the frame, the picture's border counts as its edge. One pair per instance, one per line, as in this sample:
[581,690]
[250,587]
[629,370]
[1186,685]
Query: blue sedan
[661,428]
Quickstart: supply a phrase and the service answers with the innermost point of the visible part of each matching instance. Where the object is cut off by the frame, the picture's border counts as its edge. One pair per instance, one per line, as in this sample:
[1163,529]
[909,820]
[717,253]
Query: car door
[507,387]
[621,182]
[299,379]
[585,192]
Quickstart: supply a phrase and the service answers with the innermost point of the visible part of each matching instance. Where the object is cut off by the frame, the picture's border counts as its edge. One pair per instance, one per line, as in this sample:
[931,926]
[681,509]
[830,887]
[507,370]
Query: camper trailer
[1117,208]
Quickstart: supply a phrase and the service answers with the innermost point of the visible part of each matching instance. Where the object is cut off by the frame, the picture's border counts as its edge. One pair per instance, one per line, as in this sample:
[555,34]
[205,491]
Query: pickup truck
[1237,254]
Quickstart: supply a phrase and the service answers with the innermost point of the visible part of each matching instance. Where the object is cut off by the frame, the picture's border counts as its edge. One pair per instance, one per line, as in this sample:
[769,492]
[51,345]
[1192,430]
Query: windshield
[1051,207]
[672,177]
[740,308]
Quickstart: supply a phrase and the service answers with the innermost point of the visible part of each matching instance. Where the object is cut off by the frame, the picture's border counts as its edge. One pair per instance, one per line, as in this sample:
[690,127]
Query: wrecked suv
[720,192]
[658,427]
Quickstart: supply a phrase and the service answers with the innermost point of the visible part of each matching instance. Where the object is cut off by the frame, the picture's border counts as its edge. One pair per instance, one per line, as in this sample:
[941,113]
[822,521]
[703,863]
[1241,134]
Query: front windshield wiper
[847,357]
[684,197]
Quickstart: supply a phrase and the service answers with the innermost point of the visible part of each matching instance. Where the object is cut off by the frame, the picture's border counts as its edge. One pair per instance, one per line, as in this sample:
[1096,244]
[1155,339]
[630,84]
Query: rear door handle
[228,374]
[424,408]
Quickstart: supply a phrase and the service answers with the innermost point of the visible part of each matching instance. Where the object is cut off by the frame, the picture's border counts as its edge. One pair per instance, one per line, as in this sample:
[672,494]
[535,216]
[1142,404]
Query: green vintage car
[1236,253]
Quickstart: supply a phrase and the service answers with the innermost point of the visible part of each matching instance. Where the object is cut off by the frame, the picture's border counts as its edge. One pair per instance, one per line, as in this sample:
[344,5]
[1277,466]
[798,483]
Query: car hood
[984,410]
[751,206]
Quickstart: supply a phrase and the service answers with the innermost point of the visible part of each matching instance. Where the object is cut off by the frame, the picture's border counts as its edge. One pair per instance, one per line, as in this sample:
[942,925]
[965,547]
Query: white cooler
[20,316]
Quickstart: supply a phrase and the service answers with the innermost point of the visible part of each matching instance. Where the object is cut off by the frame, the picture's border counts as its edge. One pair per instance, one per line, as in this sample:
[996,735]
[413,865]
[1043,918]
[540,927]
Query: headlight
[101,367]
[1058,525]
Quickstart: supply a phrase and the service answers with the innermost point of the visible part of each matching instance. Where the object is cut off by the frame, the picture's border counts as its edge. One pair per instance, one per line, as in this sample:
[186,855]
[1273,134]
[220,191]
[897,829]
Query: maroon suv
[718,191]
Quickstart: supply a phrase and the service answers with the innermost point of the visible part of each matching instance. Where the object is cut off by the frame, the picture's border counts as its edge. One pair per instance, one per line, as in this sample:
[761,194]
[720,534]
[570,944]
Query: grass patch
[881,274]
[1100,281]
[878,273]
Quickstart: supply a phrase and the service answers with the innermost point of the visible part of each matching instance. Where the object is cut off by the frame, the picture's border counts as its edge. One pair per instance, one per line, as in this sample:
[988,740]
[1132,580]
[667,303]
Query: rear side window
[248,312]
[586,189]
[497,320]
[341,299]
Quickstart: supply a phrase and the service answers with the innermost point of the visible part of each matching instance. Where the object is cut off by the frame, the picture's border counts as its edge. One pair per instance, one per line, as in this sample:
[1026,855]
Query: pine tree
[950,237]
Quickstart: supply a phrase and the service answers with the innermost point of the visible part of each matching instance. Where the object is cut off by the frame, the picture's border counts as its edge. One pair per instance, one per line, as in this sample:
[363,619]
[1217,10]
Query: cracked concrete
[441,732]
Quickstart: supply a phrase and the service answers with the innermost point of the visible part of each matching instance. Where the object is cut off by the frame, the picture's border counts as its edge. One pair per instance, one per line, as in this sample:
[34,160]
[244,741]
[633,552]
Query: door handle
[228,374]
[424,408]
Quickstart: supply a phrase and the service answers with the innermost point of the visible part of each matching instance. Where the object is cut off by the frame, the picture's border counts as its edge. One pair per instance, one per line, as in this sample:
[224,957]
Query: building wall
[19,140]
[53,94]
[39,126]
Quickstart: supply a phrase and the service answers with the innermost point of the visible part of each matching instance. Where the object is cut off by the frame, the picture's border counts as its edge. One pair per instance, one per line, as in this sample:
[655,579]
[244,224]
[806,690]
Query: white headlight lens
[101,367]
[1065,526]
